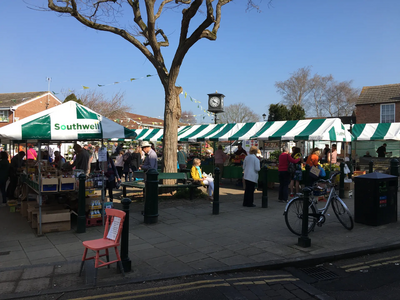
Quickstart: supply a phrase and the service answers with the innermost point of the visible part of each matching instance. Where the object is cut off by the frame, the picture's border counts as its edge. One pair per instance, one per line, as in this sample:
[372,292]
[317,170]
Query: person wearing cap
[150,161]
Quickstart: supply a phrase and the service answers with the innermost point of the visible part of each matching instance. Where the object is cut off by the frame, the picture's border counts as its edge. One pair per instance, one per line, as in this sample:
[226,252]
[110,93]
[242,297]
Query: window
[3,115]
[387,113]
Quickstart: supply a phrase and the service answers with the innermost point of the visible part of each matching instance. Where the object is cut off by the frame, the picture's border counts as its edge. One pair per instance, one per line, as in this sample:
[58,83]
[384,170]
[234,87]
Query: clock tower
[216,102]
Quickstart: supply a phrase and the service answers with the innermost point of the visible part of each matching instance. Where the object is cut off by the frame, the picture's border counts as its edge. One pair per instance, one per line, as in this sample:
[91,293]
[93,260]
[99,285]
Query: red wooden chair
[108,241]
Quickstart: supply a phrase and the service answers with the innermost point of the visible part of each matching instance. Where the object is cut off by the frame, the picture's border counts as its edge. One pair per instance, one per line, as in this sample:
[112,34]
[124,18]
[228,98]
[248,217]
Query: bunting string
[84,87]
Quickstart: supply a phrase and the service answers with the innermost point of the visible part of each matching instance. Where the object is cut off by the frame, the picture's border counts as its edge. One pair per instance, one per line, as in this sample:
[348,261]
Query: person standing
[82,159]
[119,163]
[381,151]
[312,161]
[94,164]
[13,172]
[150,161]
[111,174]
[326,154]
[59,161]
[182,158]
[333,158]
[127,157]
[251,167]
[219,159]
[298,174]
[31,153]
[4,168]
[240,150]
[284,175]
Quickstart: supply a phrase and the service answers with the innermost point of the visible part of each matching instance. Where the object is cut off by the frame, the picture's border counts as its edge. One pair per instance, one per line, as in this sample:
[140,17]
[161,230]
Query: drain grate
[319,273]
[5,253]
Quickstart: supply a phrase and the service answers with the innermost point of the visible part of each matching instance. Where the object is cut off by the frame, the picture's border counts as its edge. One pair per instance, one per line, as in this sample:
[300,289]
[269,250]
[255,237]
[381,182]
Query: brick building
[16,106]
[379,104]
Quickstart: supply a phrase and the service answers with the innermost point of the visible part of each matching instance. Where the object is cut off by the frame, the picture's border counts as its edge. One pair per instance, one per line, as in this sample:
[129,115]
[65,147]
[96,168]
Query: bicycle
[316,216]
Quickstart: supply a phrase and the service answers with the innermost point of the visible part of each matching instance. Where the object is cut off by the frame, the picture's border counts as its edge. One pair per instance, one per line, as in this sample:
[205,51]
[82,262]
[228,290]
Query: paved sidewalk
[187,240]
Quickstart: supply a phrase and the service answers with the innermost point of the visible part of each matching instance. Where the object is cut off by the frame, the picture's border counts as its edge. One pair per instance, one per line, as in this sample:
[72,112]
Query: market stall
[331,130]
[64,123]
[369,137]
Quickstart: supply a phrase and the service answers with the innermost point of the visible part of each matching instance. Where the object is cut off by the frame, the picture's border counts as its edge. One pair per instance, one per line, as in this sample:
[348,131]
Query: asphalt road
[257,284]
[369,277]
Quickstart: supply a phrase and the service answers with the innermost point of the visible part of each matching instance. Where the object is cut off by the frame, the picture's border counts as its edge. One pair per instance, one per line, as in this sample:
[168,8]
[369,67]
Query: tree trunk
[172,114]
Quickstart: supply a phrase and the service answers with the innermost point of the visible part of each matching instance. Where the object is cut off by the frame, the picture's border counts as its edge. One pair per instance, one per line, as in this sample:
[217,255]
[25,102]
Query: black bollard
[307,176]
[216,192]
[151,198]
[264,199]
[304,240]
[394,167]
[371,166]
[81,222]
[341,183]
[126,262]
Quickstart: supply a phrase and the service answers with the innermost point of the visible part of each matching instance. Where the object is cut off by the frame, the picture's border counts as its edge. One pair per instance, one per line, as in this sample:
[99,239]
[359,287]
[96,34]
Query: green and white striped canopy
[308,130]
[66,122]
[318,130]
[376,131]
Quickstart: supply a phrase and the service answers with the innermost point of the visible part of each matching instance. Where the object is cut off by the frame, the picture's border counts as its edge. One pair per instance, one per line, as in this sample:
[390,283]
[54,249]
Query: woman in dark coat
[111,174]
[136,159]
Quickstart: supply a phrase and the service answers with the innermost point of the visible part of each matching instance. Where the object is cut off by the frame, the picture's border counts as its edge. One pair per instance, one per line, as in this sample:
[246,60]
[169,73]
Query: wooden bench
[183,177]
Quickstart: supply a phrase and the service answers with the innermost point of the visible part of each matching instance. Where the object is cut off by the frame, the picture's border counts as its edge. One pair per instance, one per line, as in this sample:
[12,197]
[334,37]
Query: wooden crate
[66,184]
[53,221]
[33,208]
[49,185]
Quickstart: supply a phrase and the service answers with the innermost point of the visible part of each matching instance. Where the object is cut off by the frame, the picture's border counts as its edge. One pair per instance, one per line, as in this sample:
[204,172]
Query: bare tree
[149,39]
[112,109]
[341,99]
[320,86]
[237,113]
[188,117]
[296,89]
[320,96]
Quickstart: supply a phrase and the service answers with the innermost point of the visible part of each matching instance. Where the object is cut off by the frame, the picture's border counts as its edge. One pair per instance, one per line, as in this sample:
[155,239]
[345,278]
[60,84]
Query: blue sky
[355,40]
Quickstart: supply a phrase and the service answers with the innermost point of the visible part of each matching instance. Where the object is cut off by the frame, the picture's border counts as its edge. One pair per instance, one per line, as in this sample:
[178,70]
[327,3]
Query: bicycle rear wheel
[294,216]
[342,213]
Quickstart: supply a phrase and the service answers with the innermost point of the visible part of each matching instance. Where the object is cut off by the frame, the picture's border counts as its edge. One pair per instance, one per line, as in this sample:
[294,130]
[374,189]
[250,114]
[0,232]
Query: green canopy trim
[242,131]
[39,128]
[310,129]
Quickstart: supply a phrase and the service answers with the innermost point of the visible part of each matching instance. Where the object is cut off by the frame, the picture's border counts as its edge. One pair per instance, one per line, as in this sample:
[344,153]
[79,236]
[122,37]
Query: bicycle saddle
[307,189]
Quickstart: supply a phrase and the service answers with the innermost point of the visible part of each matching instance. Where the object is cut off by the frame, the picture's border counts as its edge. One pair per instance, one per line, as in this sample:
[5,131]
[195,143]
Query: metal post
[371,166]
[341,184]
[304,240]
[216,192]
[126,262]
[307,176]
[394,167]
[150,212]
[264,199]
[81,224]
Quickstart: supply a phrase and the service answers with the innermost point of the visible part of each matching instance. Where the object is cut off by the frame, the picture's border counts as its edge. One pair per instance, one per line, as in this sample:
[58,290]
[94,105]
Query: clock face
[214,101]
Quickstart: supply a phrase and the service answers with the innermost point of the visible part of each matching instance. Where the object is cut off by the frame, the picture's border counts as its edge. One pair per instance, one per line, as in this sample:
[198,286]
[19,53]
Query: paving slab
[187,239]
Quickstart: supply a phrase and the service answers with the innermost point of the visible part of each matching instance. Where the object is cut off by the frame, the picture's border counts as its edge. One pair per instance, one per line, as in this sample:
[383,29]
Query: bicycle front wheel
[342,213]
[294,216]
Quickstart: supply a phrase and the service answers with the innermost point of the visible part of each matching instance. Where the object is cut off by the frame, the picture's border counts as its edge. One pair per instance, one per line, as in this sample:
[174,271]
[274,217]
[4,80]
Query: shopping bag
[314,172]
[346,169]
[322,171]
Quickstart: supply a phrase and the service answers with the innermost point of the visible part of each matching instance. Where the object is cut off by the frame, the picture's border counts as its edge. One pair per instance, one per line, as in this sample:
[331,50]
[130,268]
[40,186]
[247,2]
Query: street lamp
[264,115]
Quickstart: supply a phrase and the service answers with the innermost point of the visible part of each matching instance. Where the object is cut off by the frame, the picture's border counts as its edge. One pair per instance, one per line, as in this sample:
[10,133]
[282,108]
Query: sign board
[112,233]
[103,154]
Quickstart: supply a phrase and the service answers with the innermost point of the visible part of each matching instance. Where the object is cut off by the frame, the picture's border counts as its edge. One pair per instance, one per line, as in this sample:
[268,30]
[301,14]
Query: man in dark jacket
[14,171]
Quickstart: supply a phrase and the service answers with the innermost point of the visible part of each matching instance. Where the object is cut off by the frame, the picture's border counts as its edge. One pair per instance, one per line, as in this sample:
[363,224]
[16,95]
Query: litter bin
[375,199]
